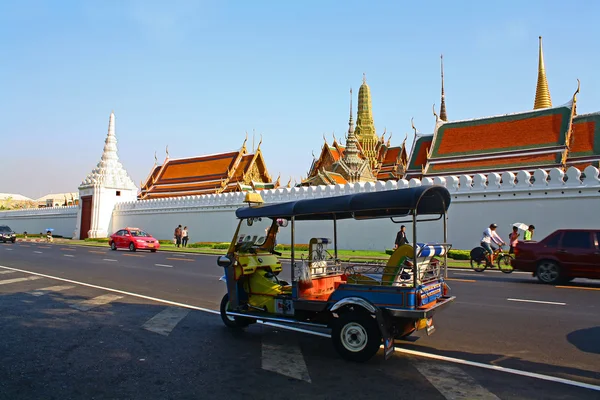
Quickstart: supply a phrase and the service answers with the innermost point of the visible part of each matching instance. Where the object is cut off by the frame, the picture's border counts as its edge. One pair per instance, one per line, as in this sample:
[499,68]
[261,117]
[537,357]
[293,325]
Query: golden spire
[542,93]
[443,116]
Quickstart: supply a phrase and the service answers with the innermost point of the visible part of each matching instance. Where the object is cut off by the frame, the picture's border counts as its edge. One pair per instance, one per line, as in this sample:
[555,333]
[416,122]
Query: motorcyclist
[490,236]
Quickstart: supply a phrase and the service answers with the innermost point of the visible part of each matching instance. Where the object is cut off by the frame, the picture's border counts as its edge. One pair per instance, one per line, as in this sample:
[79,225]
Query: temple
[234,171]
[545,137]
[365,157]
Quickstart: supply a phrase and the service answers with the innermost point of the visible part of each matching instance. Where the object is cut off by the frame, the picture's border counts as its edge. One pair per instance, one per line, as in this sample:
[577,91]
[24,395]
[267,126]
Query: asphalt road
[109,341]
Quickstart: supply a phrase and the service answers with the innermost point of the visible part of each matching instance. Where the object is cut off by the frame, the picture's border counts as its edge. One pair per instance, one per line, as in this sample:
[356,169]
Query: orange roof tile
[392,154]
[491,164]
[208,166]
[541,128]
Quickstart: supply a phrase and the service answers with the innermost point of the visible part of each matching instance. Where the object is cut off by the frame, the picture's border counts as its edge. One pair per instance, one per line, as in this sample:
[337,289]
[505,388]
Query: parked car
[133,239]
[7,234]
[562,256]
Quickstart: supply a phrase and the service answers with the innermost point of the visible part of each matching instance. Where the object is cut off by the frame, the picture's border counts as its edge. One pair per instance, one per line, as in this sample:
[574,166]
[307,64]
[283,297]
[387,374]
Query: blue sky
[197,75]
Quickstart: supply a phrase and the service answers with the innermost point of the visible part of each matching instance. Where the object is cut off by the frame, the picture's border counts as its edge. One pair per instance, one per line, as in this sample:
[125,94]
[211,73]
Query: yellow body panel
[262,290]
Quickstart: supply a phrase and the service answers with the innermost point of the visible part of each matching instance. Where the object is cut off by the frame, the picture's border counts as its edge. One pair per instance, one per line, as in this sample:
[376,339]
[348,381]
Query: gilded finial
[313,154]
[435,114]
[443,116]
[259,143]
[334,139]
[542,92]
[389,142]
[364,78]
[245,140]
[413,126]
[167,151]
[155,158]
[351,121]
[289,184]
[404,141]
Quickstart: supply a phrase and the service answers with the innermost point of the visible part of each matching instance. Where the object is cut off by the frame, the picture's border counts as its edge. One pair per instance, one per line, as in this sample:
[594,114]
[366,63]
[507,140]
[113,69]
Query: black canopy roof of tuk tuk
[425,200]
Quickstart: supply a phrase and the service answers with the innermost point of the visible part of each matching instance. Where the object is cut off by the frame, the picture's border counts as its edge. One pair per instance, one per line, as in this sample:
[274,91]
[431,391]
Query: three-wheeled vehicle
[361,304]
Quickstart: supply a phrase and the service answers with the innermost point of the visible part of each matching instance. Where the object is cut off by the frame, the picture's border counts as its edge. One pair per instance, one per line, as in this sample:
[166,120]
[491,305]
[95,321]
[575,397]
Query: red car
[562,256]
[133,239]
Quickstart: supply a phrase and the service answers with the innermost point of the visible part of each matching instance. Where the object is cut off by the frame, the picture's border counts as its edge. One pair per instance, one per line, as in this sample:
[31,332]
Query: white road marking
[281,326]
[68,255]
[6,272]
[538,301]
[501,369]
[461,274]
[50,289]
[9,249]
[15,280]
[283,359]
[164,265]
[95,302]
[452,382]
[109,259]
[164,322]
[38,252]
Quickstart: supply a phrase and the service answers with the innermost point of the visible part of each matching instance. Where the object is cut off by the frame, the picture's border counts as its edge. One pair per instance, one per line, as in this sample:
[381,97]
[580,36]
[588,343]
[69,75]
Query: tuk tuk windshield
[256,233]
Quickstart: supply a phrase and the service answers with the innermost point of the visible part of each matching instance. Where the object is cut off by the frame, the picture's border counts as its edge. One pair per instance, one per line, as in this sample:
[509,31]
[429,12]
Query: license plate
[430,328]
[150,244]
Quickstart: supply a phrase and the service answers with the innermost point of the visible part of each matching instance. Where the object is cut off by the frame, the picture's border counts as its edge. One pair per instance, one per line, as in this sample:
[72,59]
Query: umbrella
[49,229]
[521,226]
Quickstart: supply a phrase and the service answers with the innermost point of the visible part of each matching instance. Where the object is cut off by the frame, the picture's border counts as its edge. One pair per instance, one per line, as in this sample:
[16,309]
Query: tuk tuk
[362,304]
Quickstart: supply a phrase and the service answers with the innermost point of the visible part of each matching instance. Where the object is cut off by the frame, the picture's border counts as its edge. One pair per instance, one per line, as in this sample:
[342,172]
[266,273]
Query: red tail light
[444,289]
[418,299]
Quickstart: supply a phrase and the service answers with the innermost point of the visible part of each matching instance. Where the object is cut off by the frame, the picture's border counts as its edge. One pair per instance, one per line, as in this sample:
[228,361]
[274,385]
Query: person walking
[528,235]
[184,236]
[513,239]
[401,237]
[178,236]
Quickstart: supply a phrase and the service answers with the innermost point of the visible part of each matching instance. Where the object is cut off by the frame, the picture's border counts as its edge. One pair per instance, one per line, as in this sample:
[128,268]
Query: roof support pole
[335,246]
[293,231]
[415,264]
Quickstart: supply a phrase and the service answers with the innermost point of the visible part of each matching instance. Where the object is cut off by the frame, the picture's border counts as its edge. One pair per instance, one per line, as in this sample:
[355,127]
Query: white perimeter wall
[547,199]
[36,220]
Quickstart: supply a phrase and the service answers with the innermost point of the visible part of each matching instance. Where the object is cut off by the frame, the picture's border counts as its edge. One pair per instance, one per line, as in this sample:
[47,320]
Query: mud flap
[386,334]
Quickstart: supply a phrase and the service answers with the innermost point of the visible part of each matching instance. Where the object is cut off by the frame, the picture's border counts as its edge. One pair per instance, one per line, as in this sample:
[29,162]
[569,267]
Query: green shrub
[288,247]
[165,241]
[201,245]
[459,254]
[221,246]
[389,252]
[99,240]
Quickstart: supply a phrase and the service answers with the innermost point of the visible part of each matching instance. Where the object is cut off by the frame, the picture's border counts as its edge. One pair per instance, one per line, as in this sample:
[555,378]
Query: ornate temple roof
[109,172]
[418,155]
[584,147]
[491,143]
[214,173]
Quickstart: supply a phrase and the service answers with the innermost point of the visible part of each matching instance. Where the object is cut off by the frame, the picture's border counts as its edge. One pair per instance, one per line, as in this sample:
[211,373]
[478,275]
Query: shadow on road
[587,340]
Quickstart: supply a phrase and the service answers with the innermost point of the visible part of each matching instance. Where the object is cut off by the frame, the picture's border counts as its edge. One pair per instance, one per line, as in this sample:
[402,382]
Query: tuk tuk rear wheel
[232,322]
[356,336]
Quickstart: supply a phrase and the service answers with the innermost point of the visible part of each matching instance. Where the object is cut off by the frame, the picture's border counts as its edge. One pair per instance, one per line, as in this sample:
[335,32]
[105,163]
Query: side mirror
[224,261]
[282,222]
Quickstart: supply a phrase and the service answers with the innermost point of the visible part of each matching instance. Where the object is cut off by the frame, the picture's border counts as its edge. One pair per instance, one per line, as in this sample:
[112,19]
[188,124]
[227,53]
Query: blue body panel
[388,296]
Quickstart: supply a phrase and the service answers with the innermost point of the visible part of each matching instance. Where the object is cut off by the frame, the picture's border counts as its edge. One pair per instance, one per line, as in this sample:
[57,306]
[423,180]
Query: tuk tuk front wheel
[229,321]
[356,336]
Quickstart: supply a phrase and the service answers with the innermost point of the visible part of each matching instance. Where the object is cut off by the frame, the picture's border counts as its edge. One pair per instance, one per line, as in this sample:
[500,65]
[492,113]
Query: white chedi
[109,172]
